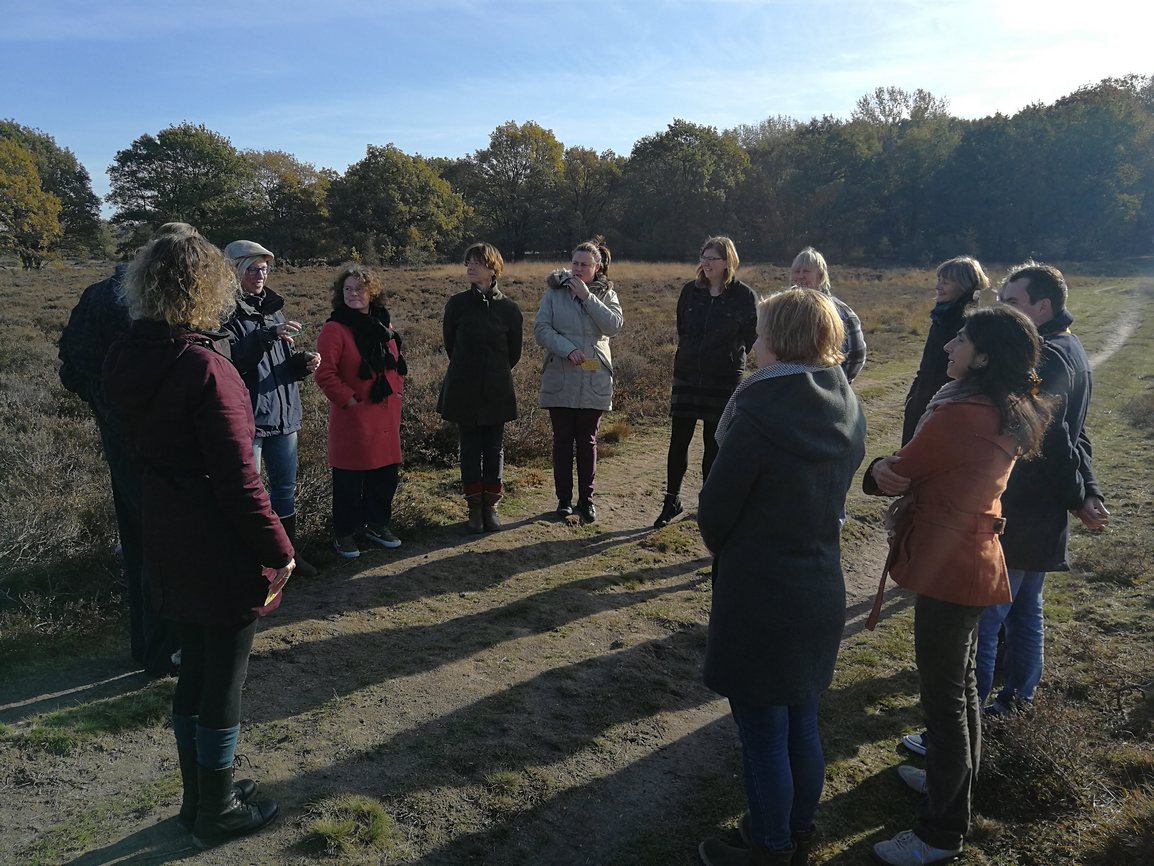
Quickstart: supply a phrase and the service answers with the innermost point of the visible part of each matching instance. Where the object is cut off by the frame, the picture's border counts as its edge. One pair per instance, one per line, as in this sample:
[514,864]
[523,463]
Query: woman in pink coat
[362,373]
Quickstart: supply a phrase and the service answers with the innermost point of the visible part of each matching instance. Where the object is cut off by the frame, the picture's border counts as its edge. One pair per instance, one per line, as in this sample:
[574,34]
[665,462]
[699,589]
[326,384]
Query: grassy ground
[535,695]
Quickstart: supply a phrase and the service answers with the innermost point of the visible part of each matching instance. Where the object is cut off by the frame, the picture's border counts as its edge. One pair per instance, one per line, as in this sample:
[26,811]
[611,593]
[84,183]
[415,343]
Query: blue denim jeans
[1025,639]
[279,454]
[784,769]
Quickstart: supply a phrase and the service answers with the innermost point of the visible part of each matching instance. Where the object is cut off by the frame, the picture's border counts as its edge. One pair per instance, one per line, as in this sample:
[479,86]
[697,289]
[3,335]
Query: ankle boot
[303,569]
[802,844]
[489,518]
[221,815]
[670,509]
[714,852]
[476,521]
[189,804]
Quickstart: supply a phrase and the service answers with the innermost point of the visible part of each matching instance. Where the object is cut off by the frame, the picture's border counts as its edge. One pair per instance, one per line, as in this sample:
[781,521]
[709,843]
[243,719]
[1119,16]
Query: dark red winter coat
[212,543]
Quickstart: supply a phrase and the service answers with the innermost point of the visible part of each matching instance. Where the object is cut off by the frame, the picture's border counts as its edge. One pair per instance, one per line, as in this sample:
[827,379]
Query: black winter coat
[483,337]
[714,334]
[268,365]
[770,512]
[97,321]
[944,326]
[1042,491]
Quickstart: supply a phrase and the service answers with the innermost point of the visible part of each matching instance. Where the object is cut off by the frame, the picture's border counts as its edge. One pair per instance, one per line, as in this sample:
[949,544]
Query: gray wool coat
[770,511]
[563,324]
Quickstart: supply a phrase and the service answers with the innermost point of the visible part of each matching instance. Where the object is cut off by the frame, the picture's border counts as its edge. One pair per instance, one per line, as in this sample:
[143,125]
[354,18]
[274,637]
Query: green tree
[288,206]
[62,175]
[677,185]
[29,216]
[395,208]
[588,193]
[518,175]
[186,173]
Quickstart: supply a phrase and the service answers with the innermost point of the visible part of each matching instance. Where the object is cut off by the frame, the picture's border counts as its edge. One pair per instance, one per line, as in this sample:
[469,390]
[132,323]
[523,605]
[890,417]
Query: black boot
[221,814]
[802,843]
[669,510]
[245,788]
[303,569]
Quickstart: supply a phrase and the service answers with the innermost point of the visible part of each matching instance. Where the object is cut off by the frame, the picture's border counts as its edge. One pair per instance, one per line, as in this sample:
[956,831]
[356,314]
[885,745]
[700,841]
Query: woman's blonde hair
[810,256]
[967,272]
[802,326]
[180,279]
[489,256]
[725,248]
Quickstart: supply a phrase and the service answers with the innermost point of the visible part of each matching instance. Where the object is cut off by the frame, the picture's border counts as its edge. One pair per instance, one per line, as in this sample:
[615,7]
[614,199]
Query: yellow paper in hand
[591,364]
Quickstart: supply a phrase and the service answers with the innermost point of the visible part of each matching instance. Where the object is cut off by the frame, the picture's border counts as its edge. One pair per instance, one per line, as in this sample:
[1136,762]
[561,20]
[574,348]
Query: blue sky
[322,80]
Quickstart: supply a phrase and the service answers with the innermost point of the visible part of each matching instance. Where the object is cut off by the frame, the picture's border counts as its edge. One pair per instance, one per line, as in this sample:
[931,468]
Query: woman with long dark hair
[944,547]
[482,335]
[362,373]
[215,554]
[960,282]
[716,326]
[579,313]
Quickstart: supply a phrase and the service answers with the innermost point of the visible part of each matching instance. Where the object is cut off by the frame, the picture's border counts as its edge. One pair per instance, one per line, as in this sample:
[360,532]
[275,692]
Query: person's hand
[285,331]
[578,288]
[888,481]
[313,360]
[1093,513]
[576,357]
[353,401]
[282,576]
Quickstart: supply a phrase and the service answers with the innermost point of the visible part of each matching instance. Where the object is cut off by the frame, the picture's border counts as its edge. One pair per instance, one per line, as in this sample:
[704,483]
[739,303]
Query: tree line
[900,180]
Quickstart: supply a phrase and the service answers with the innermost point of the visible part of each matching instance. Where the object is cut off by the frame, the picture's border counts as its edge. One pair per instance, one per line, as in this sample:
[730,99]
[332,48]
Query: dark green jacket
[482,335]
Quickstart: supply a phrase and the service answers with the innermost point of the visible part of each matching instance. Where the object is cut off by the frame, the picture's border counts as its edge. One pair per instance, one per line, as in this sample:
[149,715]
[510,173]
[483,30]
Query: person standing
[1041,492]
[482,333]
[262,341]
[97,321]
[362,373]
[791,438]
[944,547]
[215,554]
[716,326]
[810,271]
[960,282]
[579,313]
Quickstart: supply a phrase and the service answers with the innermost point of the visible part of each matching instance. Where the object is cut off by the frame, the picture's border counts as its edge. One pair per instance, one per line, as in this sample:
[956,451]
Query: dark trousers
[213,665]
[946,645]
[482,457]
[152,639]
[680,435]
[363,496]
[574,430]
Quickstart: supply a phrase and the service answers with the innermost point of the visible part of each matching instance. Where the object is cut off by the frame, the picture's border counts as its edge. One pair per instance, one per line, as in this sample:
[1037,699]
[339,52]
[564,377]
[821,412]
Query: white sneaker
[915,743]
[906,849]
[913,777]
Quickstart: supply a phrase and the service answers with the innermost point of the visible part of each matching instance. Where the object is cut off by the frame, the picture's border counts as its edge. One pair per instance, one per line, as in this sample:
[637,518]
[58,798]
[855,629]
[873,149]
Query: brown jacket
[945,545]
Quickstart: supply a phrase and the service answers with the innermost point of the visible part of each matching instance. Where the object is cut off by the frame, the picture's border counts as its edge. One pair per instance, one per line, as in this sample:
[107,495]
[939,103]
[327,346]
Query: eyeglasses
[712,259]
[354,290]
[257,269]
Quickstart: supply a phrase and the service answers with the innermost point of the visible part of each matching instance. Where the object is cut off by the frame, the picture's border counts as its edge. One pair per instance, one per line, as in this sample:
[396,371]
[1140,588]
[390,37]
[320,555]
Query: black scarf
[372,334]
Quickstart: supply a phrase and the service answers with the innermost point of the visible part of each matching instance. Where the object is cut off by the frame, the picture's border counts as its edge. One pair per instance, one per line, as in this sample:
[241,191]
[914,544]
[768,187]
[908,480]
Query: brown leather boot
[489,518]
[476,521]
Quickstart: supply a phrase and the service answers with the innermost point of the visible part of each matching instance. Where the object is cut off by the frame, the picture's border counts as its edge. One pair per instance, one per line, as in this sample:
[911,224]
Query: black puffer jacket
[944,326]
[483,338]
[714,334]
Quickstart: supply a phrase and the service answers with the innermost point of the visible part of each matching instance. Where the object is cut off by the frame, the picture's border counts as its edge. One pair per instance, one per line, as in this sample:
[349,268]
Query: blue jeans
[784,769]
[1025,639]
[280,459]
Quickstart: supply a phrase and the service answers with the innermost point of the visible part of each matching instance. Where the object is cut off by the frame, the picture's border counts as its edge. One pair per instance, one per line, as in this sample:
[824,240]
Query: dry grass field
[534,696]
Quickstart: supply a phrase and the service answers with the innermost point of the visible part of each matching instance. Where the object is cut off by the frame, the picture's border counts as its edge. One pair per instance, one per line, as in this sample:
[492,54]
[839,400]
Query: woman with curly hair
[579,313]
[215,554]
[362,373]
[944,547]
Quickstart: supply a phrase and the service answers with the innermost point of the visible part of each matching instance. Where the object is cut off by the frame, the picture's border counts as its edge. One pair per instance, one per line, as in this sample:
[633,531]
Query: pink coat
[366,435]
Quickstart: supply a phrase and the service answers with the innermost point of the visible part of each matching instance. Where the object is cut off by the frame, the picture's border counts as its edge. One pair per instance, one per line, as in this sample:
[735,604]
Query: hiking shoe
[915,743]
[912,776]
[346,546]
[587,510]
[383,536]
[906,849]
[669,510]
[564,508]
